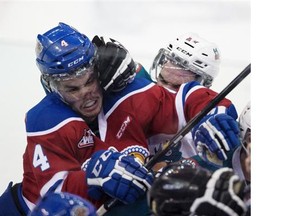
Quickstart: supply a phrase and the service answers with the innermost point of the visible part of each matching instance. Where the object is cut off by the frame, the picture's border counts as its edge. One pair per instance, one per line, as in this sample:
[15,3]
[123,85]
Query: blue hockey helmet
[63,51]
[63,204]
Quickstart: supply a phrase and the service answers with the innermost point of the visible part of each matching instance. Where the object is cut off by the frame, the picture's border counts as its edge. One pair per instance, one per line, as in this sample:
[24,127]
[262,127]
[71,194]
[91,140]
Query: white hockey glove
[114,66]
[120,176]
[218,133]
[223,196]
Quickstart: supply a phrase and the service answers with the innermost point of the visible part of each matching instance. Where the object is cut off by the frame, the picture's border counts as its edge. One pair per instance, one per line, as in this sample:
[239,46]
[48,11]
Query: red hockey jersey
[59,141]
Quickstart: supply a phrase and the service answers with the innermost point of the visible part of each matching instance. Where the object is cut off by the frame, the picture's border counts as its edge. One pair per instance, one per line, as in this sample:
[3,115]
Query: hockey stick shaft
[181,133]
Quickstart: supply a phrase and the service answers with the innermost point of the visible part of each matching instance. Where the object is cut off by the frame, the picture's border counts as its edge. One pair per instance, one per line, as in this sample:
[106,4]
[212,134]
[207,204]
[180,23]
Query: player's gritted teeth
[90,104]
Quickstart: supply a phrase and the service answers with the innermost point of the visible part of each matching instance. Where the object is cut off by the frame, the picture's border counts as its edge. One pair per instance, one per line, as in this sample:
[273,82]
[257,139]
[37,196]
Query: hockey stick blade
[181,133]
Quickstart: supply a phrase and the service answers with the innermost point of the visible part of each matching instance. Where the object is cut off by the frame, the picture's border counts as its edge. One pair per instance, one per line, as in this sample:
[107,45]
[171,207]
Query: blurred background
[143,27]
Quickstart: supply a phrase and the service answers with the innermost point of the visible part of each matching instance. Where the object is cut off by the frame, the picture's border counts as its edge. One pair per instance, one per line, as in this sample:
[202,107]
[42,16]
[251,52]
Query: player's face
[172,76]
[83,94]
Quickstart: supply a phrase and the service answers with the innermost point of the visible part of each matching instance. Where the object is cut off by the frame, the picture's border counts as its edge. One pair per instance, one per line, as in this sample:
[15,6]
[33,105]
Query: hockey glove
[218,133]
[223,196]
[120,176]
[114,66]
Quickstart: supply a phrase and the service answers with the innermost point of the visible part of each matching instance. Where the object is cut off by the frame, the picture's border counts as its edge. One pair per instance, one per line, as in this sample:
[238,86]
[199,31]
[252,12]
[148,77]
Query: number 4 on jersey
[39,159]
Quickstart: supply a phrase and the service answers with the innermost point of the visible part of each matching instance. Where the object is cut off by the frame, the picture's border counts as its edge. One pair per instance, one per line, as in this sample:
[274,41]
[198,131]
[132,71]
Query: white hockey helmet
[193,53]
[245,121]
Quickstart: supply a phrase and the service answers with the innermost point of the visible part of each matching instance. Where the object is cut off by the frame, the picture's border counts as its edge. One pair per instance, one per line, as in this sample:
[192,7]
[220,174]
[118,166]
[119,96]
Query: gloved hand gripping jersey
[219,133]
[114,65]
[118,175]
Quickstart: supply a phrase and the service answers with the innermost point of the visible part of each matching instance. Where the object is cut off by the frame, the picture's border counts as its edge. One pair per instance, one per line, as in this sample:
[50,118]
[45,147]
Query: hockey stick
[181,133]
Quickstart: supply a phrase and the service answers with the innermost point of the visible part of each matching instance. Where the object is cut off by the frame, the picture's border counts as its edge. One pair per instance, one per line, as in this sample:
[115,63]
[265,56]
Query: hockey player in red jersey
[63,152]
[59,140]
[191,97]
[184,59]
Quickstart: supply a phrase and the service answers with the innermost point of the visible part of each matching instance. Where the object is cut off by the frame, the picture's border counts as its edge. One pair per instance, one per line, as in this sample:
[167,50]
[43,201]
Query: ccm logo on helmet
[76,61]
[184,51]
